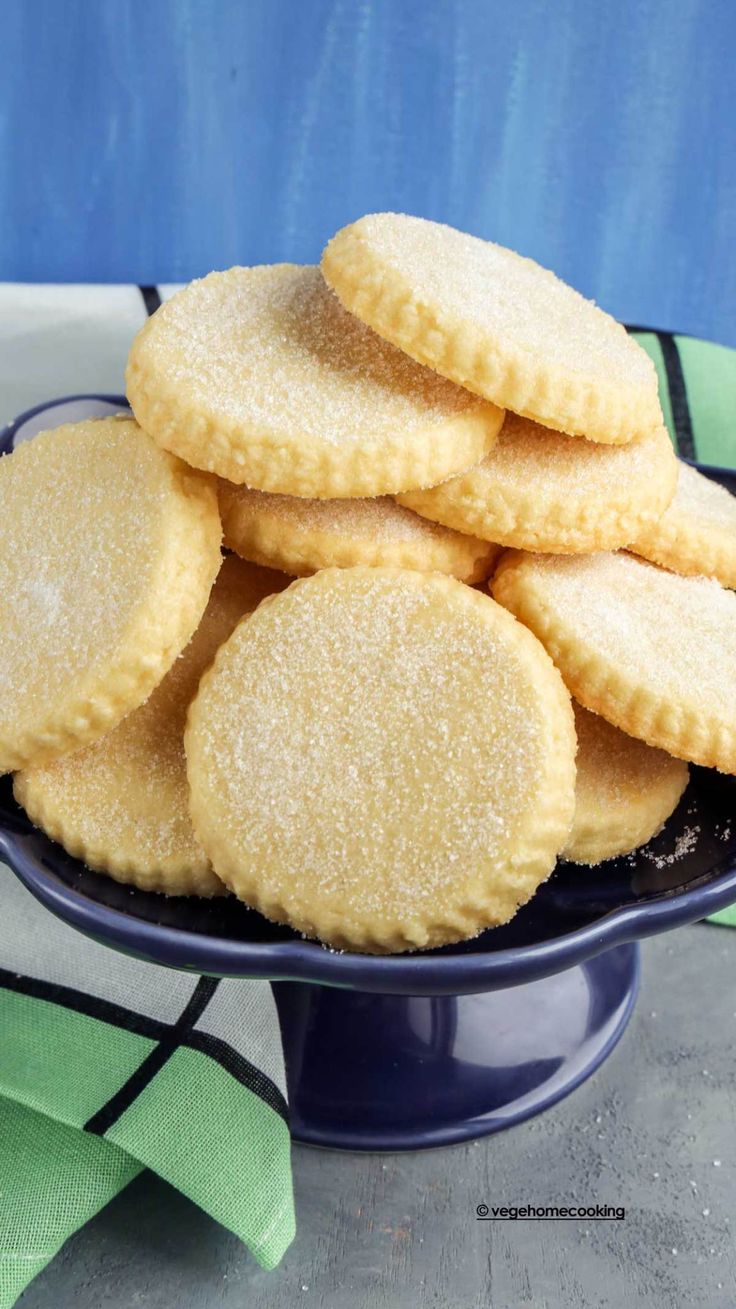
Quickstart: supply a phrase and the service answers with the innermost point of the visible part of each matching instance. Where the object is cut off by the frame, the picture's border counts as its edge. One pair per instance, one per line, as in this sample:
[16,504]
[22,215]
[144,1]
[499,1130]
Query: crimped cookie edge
[599,686]
[487,512]
[478,360]
[266,539]
[689,548]
[157,632]
[297,463]
[589,845]
[131,870]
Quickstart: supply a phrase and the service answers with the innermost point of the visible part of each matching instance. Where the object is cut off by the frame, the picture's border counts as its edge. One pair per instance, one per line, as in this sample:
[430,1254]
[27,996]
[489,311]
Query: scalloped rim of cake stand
[441,973]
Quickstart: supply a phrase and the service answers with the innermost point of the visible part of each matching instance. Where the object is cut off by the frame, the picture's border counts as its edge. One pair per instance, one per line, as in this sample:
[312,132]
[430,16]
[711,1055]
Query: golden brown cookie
[122,804]
[108,550]
[259,375]
[652,652]
[496,323]
[301,536]
[540,490]
[383,759]
[624,792]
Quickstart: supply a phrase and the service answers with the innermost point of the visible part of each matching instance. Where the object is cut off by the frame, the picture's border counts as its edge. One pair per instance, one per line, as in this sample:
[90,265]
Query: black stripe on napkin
[240,1068]
[109,1113]
[678,394]
[677,389]
[151,298]
[82,1003]
[168,1035]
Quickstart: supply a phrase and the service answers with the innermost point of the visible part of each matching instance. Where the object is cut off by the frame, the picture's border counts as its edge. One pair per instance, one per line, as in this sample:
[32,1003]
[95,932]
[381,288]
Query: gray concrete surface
[654,1130]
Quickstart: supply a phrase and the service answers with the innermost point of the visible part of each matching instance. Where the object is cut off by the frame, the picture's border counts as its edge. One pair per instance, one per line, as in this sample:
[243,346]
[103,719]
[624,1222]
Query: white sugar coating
[613,769]
[291,775]
[525,450]
[673,634]
[499,291]
[702,498]
[541,490]
[271,349]
[302,536]
[696,535]
[529,455]
[376,745]
[374,519]
[81,513]
[125,798]
[625,791]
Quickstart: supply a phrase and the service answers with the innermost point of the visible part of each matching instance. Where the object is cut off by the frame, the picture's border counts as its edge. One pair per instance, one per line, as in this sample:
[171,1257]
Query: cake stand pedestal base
[399,1072]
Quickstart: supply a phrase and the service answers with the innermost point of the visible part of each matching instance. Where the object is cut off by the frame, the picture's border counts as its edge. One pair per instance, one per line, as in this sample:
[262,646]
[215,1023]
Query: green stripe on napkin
[109,1065]
[726,917]
[697,388]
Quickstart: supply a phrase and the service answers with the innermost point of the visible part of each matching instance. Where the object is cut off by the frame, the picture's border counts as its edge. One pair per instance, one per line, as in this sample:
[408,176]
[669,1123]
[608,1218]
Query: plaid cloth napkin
[108,1064]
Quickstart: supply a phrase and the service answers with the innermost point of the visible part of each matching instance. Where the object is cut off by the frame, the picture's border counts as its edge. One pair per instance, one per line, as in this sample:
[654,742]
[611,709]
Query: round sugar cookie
[108,550]
[122,804]
[624,791]
[496,323]
[301,536]
[652,652]
[260,375]
[696,535]
[382,759]
[540,490]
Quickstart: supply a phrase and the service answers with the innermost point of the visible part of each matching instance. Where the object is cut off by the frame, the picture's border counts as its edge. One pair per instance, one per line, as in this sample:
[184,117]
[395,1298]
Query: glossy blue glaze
[386,1072]
[152,142]
[402,1052]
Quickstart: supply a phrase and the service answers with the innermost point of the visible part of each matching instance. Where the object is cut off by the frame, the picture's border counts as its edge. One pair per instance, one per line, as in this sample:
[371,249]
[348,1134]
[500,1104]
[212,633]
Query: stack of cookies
[466,464]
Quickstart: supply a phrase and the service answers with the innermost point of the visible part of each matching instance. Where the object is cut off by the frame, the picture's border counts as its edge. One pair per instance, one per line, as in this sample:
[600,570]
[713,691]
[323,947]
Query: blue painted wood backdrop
[151,140]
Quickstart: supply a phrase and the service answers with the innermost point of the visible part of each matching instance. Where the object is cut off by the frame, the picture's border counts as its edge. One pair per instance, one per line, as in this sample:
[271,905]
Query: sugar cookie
[624,791]
[122,804]
[652,652]
[696,536]
[260,375]
[496,323]
[540,490]
[301,536]
[382,759]
[108,549]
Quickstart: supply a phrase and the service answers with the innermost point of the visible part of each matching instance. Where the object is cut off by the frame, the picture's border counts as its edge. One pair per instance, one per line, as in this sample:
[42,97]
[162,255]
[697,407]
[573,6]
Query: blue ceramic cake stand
[425,1049]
